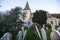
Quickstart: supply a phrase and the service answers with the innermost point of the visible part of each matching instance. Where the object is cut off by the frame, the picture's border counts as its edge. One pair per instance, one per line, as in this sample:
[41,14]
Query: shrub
[48,34]
[48,25]
[56,26]
[31,35]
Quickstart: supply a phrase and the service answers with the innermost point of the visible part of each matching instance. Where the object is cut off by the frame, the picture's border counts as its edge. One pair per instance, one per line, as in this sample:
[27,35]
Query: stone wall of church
[27,14]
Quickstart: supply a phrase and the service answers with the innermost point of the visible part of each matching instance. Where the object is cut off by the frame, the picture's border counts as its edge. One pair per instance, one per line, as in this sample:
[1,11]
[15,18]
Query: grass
[48,34]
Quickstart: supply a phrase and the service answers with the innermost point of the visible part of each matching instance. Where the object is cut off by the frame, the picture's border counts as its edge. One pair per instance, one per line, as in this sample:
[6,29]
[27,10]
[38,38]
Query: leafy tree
[10,20]
[39,17]
[0,16]
[13,16]
[24,15]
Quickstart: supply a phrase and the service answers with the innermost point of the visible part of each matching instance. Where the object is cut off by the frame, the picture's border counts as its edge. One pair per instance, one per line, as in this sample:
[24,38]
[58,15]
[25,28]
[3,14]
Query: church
[28,15]
[53,19]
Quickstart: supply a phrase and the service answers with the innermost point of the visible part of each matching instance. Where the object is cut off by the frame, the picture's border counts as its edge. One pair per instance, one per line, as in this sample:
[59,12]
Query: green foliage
[31,35]
[48,25]
[13,16]
[40,17]
[56,27]
[48,34]
[4,28]
[14,34]
[38,25]
[10,21]
[24,15]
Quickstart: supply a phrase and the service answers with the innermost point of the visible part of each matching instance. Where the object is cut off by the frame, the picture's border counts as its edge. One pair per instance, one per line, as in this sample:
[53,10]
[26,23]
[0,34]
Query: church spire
[27,6]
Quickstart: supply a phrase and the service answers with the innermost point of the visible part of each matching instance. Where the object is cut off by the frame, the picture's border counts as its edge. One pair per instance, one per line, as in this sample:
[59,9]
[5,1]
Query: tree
[24,15]
[10,21]
[0,16]
[13,16]
[39,17]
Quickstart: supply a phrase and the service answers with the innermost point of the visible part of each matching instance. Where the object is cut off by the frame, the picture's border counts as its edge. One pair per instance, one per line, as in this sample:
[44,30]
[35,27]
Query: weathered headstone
[38,32]
[58,28]
[43,26]
[53,27]
[6,36]
[55,35]
[46,28]
[19,35]
[43,34]
[23,32]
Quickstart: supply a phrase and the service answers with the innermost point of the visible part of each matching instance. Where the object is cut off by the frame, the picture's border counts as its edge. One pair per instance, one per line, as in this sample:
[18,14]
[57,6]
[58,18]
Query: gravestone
[55,35]
[58,28]
[43,32]
[53,27]
[6,36]
[19,35]
[46,28]
[23,32]
[43,26]
[38,31]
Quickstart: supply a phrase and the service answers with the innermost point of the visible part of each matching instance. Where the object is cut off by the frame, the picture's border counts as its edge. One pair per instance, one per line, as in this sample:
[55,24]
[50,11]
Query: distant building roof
[27,7]
[52,15]
[56,15]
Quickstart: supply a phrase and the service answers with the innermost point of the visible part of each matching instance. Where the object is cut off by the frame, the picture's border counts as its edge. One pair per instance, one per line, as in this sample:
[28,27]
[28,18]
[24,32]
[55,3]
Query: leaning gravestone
[23,32]
[46,28]
[6,36]
[55,35]
[43,34]
[19,35]
[43,26]
[38,32]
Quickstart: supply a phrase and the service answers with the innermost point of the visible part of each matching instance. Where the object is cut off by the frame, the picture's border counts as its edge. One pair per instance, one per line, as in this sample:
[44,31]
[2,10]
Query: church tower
[27,13]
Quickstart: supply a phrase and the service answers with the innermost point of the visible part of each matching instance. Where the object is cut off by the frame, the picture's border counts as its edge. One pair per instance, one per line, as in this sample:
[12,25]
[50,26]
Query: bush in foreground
[48,34]
[31,35]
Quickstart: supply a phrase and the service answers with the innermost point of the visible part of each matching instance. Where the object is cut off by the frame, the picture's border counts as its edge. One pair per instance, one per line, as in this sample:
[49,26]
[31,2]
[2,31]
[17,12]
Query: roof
[52,15]
[56,15]
[27,7]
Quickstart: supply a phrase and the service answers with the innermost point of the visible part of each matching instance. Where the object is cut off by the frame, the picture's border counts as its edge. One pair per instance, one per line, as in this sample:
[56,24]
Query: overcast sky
[52,6]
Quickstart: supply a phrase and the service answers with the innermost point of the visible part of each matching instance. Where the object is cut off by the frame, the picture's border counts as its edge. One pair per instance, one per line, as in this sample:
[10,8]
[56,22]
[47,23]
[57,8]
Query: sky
[52,6]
